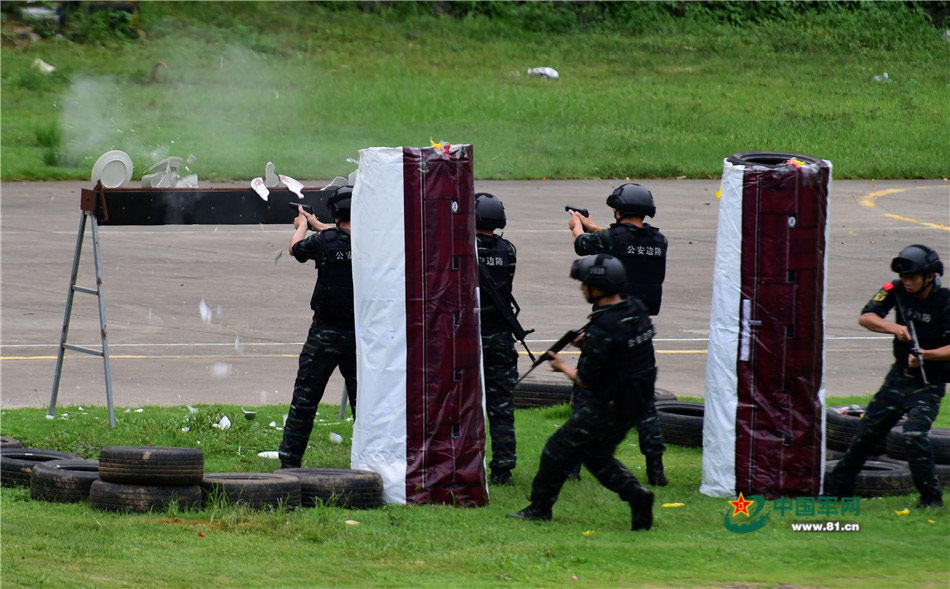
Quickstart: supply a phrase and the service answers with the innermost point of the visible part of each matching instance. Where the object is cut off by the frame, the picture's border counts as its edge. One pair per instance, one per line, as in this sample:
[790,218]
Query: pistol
[306,208]
[583,212]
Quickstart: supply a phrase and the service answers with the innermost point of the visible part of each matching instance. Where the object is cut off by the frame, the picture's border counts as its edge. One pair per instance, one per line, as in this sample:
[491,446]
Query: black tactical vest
[494,254]
[332,300]
[630,365]
[643,253]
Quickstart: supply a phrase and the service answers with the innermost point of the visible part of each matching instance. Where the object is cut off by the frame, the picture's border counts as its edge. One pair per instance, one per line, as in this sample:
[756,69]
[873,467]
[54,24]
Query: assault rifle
[914,342]
[583,212]
[504,305]
[559,345]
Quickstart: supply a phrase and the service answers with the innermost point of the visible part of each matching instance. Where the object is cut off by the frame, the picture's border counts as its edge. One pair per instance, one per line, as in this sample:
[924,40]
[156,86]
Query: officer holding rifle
[617,366]
[916,381]
[499,327]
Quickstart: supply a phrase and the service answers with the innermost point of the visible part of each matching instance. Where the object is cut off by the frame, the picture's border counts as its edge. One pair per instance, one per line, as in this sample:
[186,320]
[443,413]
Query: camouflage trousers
[649,433]
[501,371]
[326,348]
[899,395]
[589,436]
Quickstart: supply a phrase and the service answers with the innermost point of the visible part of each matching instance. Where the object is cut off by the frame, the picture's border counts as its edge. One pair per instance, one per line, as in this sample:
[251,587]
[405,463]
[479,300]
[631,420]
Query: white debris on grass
[336,438]
[272,454]
[544,72]
[224,423]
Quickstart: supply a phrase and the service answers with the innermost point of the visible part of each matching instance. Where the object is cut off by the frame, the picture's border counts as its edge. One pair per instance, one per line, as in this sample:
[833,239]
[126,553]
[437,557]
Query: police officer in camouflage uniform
[618,367]
[920,300]
[642,250]
[331,341]
[497,256]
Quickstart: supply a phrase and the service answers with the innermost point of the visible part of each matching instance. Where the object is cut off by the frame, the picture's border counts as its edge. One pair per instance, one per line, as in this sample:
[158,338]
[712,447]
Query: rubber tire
[939,444]
[107,496]
[63,481]
[339,487]
[943,470]
[254,489]
[681,422]
[151,465]
[530,394]
[16,464]
[841,427]
[8,442]
[880,479]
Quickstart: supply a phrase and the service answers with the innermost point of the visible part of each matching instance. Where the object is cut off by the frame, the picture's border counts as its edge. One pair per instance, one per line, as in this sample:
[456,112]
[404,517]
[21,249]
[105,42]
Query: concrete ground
[155,278]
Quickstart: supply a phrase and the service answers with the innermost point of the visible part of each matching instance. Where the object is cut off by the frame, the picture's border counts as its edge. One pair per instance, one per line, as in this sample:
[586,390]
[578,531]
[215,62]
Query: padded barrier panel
[420,402]
[764,375]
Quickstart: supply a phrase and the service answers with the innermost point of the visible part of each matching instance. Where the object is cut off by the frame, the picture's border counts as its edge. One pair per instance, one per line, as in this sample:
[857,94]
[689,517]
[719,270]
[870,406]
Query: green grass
[588,544]
[307,86]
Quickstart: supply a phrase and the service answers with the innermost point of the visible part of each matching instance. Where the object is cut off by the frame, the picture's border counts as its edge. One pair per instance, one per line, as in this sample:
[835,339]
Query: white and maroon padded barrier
[420,421]
[763,422]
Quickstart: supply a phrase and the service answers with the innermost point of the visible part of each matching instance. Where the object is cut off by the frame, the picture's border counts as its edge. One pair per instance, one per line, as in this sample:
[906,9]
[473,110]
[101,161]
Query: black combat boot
[501,476]
[533,512]
[575,474]
[930,495]
[641,506]
[655,471]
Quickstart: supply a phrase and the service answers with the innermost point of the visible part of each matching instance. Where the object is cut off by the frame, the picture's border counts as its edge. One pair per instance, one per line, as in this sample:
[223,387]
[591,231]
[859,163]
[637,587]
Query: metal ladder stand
[74,288]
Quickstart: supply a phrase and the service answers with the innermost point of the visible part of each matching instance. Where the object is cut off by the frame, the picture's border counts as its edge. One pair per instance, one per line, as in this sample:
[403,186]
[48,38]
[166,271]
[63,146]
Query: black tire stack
[880,479]
[17,463]
[339,487]
[146,478]
[939,445]
[253,489]
[546,393]
[681,422]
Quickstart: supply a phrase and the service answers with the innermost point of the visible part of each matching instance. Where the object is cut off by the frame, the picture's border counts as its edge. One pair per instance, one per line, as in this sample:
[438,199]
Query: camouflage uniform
[903,393]
[643,253]
[331,341]
[498,256]
[617,366]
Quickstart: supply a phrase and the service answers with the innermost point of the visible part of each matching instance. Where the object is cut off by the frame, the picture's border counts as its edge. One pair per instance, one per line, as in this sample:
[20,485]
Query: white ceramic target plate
[113,168]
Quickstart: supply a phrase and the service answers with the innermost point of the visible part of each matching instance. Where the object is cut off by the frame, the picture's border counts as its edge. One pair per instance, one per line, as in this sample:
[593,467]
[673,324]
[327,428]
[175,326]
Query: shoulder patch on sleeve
[888,285]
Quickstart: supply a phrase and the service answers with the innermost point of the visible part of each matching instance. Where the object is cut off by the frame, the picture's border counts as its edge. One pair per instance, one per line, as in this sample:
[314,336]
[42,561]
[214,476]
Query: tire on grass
[880,479]
[681,422]
[16,464]
[939,444]
[339,487]
[64,481]
[841,423]
[529,394]
[254,489]
[151,465]
[8,442]
[107,496]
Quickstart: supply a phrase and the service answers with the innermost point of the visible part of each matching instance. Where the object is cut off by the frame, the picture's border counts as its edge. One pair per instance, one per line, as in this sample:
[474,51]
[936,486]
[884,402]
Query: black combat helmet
[602,271]
[632,199]
[339,203]
[917,259]
[489,212]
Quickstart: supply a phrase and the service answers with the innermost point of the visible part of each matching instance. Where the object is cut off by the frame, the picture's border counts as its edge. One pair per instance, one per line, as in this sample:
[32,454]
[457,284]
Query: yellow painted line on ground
[868,200]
